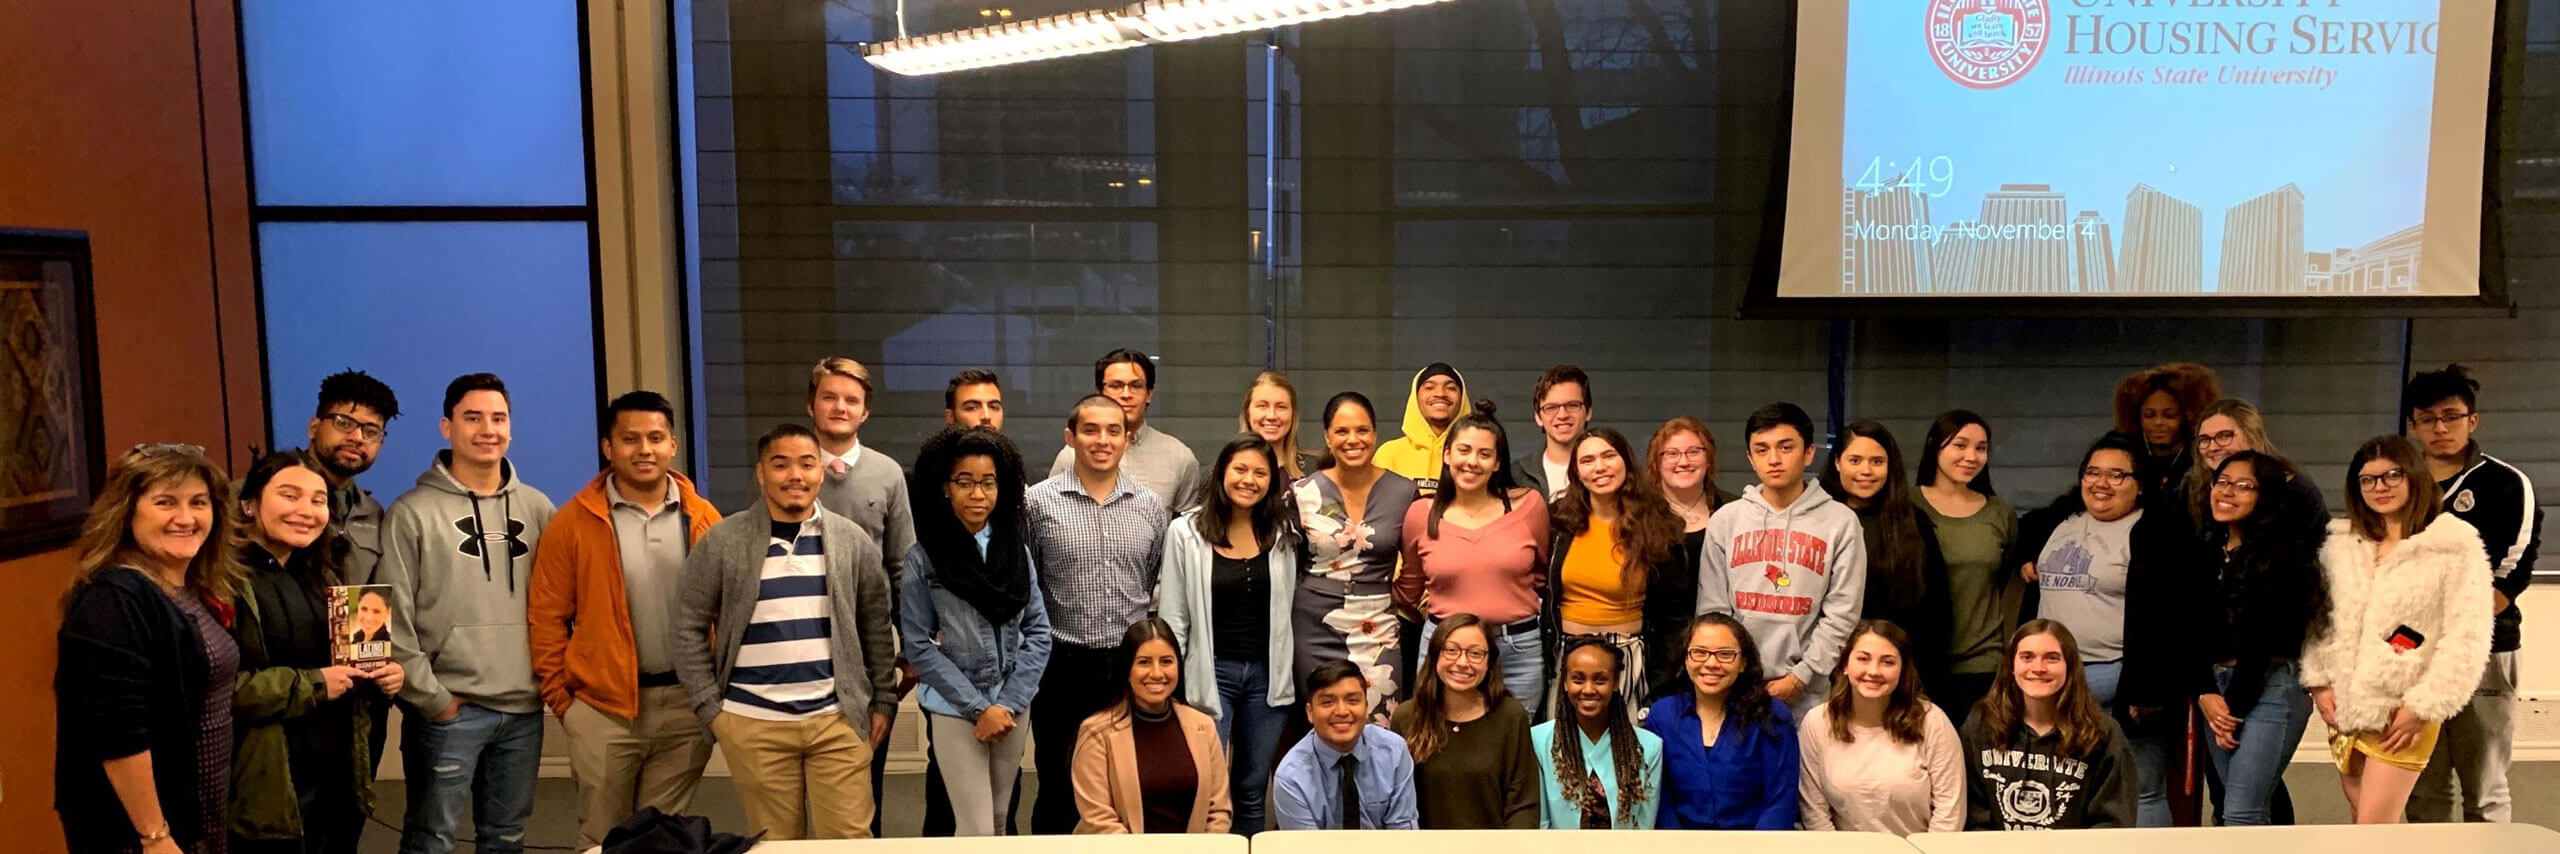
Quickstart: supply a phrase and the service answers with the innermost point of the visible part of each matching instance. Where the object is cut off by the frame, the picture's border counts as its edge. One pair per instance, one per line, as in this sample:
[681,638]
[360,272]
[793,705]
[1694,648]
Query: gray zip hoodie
[1795,578]
[458,563]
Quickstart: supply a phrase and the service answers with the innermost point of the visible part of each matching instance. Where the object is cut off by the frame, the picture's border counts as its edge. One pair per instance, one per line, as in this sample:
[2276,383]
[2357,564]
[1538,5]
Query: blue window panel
[417,304]
[461,102]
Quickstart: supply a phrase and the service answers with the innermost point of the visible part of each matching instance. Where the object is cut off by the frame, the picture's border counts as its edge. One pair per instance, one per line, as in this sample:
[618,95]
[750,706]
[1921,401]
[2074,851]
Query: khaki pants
[621,765]
[2477,746]
[799,779]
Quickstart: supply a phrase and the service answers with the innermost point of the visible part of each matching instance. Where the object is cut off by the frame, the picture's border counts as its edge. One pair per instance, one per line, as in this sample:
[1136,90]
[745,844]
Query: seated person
[1348,773]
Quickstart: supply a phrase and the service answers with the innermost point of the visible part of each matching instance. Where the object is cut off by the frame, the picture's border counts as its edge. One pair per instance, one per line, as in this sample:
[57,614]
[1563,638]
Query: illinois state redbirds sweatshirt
[1794,577]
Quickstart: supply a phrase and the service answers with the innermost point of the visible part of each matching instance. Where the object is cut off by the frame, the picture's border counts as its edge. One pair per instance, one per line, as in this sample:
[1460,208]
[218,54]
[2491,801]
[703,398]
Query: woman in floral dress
[1353,514]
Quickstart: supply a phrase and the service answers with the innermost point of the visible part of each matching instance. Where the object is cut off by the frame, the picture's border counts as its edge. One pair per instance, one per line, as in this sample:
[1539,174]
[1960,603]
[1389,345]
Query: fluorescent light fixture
[1047,37]
[1079,33]
[1178,20]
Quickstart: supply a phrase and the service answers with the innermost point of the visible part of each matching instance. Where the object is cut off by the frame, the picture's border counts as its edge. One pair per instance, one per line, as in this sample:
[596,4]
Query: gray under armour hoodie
[1794,577]
[458,563]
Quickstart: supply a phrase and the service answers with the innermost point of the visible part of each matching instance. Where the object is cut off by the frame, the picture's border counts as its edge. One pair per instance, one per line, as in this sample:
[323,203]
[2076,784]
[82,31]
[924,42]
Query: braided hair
[1626,754]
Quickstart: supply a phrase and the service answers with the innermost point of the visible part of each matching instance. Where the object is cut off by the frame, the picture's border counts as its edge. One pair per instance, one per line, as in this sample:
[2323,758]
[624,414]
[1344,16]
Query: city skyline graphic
[2029,240]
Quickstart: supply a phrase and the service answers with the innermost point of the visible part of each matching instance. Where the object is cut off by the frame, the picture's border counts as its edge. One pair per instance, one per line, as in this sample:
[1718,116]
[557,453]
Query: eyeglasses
[1468,654]
[1122,387]
[2218,440]
[2242,485]
[363,430]
[2110,477]
[2391,479]
[1702,655]
[983,484]
[1684,455]
[1560,408]
[2433,420]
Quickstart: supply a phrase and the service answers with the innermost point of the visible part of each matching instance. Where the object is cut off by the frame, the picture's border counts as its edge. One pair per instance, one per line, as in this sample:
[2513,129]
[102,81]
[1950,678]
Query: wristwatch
[156,835]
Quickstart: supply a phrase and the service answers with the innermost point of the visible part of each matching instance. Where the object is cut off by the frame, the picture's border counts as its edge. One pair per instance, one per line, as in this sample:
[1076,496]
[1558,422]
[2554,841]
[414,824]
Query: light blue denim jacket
[967,664]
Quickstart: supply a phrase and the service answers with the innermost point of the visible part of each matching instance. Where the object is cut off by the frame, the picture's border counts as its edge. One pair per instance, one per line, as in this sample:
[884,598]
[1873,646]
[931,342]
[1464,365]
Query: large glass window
[1499,184]
[422,211]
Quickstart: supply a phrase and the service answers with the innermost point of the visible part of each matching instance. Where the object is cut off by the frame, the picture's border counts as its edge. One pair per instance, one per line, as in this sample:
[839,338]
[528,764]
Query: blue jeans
[2154,754]
[488,758]
[1524,663]
[2268,735]
[1250,728]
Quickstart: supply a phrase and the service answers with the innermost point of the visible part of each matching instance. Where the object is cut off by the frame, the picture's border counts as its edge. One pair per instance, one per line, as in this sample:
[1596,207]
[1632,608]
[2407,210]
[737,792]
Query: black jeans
[1076,685]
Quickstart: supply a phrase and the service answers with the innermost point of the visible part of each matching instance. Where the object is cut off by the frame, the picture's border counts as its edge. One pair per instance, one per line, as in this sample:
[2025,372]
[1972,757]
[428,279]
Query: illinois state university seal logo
[1987,44]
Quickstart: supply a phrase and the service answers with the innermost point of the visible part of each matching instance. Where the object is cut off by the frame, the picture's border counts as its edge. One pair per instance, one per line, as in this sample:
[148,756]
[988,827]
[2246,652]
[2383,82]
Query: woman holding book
[300,774]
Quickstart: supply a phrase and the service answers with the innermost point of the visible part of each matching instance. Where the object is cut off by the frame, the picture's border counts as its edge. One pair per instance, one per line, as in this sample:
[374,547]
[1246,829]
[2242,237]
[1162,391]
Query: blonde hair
[106,541]
[841,367]
[1287,447]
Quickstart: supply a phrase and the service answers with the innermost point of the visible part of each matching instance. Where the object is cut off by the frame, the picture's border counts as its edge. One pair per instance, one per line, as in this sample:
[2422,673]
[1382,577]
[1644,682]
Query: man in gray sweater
[865,487]
[803,680]
[457,551]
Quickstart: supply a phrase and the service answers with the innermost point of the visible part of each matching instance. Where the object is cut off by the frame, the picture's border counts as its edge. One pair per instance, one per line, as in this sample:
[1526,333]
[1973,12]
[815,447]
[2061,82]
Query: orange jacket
[580,615]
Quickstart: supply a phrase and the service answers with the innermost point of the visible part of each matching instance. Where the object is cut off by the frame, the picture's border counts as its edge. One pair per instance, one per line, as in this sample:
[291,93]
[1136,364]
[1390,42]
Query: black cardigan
[131,678]
[1670,601]
[2165,580]
[1930,619]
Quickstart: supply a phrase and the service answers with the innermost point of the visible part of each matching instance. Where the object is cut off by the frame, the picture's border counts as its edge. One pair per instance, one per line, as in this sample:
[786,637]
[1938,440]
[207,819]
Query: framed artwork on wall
[51,456]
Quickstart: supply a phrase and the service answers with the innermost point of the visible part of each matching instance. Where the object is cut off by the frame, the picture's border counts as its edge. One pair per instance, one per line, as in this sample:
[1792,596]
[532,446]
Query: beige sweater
[1875,783]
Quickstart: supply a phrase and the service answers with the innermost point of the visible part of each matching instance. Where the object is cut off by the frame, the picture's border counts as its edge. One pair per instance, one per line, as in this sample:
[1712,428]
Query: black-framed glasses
[2110,477]
[1566,406]
[1468,654]
[965,484]
[2393,479]
[344,423]
[1702,655]
[2433,420]
[2218,440]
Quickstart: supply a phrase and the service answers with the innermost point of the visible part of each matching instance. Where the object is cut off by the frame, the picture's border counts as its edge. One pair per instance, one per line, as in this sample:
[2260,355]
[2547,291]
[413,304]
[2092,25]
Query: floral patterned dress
[1344,604]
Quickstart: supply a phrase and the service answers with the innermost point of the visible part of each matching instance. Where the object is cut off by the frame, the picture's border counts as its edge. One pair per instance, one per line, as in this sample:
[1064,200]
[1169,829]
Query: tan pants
[799,779]
[622,765]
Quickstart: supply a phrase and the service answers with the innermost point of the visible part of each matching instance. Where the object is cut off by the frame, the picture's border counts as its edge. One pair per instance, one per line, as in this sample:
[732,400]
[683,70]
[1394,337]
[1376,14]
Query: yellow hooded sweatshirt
[1416,454]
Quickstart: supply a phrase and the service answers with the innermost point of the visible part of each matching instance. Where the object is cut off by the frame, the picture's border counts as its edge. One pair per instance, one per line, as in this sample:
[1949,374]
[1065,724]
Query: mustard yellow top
[1598,589]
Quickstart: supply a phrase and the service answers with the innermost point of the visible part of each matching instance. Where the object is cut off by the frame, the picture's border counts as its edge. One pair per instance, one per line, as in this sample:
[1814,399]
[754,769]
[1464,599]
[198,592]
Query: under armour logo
[472,537]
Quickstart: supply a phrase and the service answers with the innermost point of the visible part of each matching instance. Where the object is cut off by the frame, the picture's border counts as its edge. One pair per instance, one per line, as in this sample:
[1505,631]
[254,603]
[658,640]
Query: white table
[1577,841]
[1160,843]
[2307,839]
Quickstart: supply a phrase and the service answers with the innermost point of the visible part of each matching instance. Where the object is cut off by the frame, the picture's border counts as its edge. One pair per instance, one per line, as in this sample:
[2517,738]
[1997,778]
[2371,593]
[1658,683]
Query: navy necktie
[1349,784]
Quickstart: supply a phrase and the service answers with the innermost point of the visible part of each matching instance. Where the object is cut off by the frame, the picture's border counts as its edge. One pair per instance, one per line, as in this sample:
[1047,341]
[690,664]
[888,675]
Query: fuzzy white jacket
[2436,584]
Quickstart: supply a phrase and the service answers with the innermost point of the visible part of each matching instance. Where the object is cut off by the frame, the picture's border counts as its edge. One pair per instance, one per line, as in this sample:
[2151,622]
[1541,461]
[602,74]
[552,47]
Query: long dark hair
[2280,535]
[1896,553]
[1944,430]
[318,565]
[1324,424]
[1430,722]
[2076,714]
[1748,703]
[1125,657]
[1500,484]
[1906,711]
[1648,532]
[1272,517]
[1625,754]
[937,459]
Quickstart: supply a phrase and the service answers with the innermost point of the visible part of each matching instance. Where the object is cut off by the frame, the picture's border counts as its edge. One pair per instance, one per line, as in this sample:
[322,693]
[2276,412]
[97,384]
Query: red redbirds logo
[1987,44]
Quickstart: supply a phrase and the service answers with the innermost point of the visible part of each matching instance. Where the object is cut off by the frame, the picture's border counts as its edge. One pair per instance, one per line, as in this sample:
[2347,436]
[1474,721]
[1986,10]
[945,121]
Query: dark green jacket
[264,801]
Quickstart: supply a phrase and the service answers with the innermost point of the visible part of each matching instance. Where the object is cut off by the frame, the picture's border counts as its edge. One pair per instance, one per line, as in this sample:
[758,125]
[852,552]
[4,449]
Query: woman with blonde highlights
[143,686]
